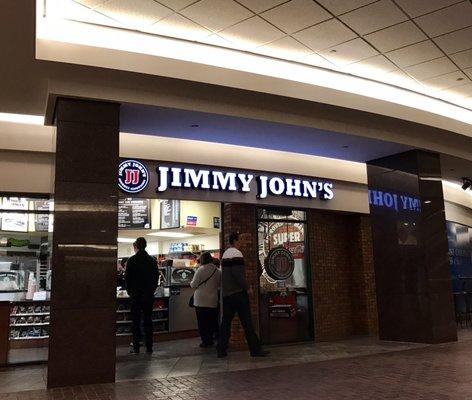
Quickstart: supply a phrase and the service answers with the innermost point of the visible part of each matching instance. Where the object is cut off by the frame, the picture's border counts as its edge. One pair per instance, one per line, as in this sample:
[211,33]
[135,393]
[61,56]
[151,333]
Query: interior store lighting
[22,118]
[126,240]
[170,234]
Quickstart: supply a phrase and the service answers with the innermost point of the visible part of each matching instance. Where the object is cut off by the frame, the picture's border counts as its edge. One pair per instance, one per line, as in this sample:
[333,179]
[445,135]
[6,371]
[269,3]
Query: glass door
[284,283]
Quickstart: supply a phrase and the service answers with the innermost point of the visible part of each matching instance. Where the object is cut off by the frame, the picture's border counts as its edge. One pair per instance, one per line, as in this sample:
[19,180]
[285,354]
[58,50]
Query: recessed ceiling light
[194,126]
[333,51]
[170,234]
[460,79]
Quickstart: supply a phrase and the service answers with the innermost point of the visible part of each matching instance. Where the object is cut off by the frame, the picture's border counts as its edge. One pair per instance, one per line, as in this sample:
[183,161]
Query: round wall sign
[279,263]
[133,176]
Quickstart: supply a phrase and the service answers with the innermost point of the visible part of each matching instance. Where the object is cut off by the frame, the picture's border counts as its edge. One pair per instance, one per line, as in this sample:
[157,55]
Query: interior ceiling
[169,122]
[422,45]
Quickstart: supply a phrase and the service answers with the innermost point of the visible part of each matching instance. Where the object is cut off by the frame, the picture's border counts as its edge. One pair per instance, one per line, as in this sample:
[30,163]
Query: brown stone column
[82,331]
[242,218]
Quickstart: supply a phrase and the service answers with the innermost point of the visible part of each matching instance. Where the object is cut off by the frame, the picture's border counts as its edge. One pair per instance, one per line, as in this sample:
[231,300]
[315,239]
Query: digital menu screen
[170,214]
[134,213]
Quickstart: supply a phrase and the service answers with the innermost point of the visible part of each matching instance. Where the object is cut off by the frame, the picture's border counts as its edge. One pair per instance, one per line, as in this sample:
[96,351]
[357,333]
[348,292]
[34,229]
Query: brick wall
[342,275]
[342,270]
[242,218]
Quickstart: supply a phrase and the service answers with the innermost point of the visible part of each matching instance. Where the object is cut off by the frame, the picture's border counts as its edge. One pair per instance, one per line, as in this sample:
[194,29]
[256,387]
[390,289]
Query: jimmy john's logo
[228,181]
[133,176]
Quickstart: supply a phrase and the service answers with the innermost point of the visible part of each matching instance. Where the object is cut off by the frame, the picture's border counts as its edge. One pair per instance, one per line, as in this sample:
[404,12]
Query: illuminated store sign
[228,181]
[397,202]
[133,176]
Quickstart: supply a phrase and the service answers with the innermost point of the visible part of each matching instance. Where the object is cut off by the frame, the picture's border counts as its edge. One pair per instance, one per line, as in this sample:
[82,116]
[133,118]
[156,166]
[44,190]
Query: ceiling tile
[446,20]
[401,79]
[325,35]
[176,4]
[455,41]
[286,47]
[349,52]
[296,15]
[178,26]
[464,90]
[374,17]
[396,36]
[372,67]
[415,54]
[259,6]
[134,14]
[463,59]
[415,8]
[317,60]
[468,71]
[446,81]
[432,68]
[342,6]
[90,3]
[216,14]
[251,33]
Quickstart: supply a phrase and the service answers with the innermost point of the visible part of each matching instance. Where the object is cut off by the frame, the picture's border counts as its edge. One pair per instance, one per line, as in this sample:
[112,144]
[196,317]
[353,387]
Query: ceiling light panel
[296,15]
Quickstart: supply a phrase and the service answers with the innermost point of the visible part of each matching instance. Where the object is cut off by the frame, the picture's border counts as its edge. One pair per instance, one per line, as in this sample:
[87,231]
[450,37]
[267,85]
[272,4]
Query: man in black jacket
[141,277]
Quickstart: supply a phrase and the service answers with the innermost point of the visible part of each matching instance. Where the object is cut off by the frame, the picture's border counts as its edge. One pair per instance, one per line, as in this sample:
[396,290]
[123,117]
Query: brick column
[342,275]
[242,218]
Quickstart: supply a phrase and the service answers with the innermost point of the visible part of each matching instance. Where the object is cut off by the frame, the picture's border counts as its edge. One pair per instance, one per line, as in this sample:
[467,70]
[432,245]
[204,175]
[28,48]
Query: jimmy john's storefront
[288,224]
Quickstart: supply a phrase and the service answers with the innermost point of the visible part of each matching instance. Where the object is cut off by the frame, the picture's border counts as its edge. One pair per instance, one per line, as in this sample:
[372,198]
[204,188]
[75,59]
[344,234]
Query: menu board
[134,214]
[41,221]
[170,214]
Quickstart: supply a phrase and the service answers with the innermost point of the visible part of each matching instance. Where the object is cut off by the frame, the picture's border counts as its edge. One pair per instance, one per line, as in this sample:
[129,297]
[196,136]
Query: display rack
[160,316]
[29,320]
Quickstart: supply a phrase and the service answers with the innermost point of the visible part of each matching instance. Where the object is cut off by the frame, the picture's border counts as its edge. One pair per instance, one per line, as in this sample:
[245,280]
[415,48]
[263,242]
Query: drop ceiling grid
[259,26]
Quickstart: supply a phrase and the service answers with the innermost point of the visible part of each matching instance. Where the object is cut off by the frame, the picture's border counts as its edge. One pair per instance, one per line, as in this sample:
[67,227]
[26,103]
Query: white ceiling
[423,45]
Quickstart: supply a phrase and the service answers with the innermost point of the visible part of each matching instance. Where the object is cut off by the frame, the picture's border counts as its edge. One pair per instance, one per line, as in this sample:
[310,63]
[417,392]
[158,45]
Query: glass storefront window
[281,214]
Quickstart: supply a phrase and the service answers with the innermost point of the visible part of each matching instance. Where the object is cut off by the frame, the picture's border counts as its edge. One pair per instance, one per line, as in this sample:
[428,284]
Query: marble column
[83,298]
[413,277]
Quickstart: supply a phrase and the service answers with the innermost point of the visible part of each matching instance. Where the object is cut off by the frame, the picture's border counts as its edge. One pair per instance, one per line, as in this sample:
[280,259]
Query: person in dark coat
[142,277]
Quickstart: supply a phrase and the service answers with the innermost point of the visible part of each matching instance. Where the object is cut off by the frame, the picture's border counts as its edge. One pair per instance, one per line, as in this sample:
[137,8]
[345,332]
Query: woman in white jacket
[206,283]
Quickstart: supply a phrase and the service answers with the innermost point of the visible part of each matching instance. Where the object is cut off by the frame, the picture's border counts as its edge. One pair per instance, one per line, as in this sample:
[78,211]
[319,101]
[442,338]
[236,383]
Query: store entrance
[177,233]
[285,305]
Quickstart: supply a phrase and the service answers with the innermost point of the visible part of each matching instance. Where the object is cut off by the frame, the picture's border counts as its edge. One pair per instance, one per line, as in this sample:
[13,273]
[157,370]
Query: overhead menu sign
[170,214]
[134,214]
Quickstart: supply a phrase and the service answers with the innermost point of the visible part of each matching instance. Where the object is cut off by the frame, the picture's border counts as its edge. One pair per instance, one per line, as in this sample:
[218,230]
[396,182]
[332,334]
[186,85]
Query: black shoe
[262,353]
[134,350]
[149,350]
[222,354]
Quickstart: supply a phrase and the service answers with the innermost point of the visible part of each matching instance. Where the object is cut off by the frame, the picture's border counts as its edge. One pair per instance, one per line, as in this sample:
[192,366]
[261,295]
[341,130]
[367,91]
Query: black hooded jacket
[142,275]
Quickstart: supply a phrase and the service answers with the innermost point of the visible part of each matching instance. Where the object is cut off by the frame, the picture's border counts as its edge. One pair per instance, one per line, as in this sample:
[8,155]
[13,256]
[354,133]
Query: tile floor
[183,358]
[440,372]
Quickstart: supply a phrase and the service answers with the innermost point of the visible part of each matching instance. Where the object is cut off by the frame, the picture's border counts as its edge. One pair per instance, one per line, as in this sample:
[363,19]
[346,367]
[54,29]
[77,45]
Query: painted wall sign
[214,180]
[133,176]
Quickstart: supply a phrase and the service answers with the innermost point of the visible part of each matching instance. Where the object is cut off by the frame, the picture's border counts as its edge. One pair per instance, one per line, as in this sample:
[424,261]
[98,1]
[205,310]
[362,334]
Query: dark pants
[142,306]
[207,323]
[237,303]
